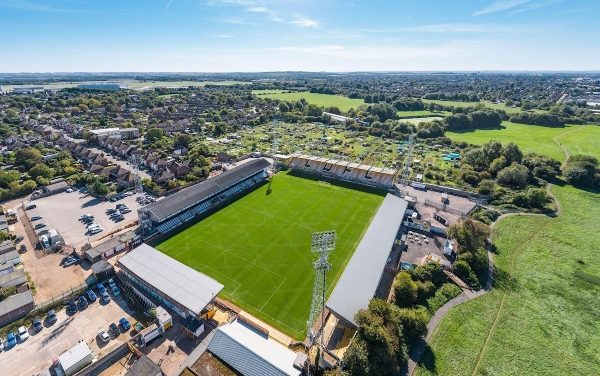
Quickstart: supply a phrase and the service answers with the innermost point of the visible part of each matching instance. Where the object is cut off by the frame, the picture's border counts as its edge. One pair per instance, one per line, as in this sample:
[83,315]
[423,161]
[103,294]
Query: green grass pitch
[259,245]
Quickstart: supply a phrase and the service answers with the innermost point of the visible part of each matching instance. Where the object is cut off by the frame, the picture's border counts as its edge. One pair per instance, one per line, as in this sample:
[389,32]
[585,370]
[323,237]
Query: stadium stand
[336,169]
[173,211]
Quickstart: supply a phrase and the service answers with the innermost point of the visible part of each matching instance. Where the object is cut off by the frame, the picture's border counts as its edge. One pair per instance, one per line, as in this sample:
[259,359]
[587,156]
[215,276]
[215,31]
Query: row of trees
[479,119]
[548,120]
[472,264]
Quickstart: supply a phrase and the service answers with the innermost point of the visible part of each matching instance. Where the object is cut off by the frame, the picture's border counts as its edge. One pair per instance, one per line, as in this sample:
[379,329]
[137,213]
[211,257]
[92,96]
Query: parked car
[111,283]
[72,308]
[22,248]
[37,325]
[69,190]
[91,295]
[125,324]
[104,336]
[19,238]
[101,288]
[96,230]
[114,329]
[39,225]
[110,211]
[83,216]
[70,261]
[51,318]
[30,206]
[116,291]
[36,218]
[42,232]
[105,297]
[23,334]
[125,210]
[11,340]
[83,303]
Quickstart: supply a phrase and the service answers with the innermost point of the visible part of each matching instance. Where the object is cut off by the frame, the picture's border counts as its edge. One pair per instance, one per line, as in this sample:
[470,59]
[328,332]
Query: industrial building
[190,203]
[16,306]
[175,285]
[76,358]
[378,177]
[251,353]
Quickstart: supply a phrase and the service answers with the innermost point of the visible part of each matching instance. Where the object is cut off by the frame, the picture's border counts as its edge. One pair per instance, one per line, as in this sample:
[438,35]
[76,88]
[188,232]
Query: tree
[414,323]
[28,157]
[516,176]
[182,140]
[98,188]
[154,134]
[405,290]
[463,270]
[536,197]
[469,233]
[383,111]
[581,170]
[41,170]
[8,176]
[512,153]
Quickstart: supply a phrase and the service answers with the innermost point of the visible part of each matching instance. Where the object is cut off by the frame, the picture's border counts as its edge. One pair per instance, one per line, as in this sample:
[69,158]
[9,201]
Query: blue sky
[312,35]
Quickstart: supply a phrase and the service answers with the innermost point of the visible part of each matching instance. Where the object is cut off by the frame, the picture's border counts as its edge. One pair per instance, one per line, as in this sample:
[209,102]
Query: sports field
[259,246]
[325,100]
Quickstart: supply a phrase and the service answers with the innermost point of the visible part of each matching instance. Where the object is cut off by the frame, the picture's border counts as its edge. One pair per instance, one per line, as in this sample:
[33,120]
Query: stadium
[251,232]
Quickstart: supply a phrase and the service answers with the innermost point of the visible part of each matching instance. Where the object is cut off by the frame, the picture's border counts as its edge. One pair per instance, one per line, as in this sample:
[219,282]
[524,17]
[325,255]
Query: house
[180,168]
[163,177]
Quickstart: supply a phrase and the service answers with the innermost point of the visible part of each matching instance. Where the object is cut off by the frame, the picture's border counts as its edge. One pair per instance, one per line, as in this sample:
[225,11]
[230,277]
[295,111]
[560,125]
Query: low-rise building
[16,306]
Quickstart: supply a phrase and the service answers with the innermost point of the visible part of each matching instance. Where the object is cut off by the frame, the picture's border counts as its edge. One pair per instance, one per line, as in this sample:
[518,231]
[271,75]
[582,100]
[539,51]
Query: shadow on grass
[339,183]
[504,281]
[428,360]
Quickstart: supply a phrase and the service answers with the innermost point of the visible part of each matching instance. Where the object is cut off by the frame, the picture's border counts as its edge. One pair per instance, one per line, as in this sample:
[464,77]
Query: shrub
[443,295]
[464,272]
[405,290]
[515,176]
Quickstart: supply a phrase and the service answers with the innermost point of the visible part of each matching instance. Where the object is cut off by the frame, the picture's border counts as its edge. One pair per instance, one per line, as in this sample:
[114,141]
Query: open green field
[584,140]
[492,105]
[259,245]
[542,318]
[325,100]
[417,120]
[535,138]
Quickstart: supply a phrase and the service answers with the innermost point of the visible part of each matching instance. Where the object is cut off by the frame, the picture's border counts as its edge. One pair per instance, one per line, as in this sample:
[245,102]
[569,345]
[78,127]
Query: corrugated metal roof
[181,283]
[190,196]
[10,256]
[15,302]
[74,355]
[250,353]
[360,279]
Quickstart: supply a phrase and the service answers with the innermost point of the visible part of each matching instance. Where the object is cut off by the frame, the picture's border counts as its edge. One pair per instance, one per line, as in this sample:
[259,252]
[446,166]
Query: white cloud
[499,6]
[261,7]
[459,28]
[302,21]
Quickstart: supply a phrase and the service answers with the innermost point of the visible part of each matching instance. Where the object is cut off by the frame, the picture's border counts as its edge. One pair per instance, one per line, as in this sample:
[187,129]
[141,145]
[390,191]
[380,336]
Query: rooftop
[15,302]
[188,287]
[74,355]
[190,196]
[251,353]
[360,279]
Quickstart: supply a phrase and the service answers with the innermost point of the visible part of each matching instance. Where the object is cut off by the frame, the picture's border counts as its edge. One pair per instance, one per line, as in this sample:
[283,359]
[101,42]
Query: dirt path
[563,148]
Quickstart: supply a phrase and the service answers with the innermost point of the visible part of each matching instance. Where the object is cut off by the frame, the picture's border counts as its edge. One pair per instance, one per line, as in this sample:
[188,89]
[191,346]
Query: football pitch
[258,247]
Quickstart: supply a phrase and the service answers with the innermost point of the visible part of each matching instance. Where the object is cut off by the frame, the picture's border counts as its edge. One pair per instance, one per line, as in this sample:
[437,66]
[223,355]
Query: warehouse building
[76,358]
[251,353]
[175,285]
[190,203]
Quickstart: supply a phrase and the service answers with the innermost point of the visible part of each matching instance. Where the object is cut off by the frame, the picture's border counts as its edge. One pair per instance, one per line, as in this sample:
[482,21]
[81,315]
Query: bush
[429,272]
[463,270]
[405,290]
[516,176]
[443,295]
[580,170]
[425,289]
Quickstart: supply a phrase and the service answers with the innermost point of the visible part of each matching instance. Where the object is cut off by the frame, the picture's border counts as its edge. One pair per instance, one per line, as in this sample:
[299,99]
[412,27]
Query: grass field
[325,100]
[259,246]
[417,120]
[533,138]
[584,140]
[492,105]
[542,318]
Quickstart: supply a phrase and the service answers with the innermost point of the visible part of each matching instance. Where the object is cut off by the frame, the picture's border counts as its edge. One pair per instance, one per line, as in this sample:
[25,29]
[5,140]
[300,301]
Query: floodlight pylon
[323,243]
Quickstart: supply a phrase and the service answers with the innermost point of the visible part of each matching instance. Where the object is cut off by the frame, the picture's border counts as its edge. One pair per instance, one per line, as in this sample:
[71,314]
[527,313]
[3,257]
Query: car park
[23,334]
[37,325]
[114,329]
[51,317]
[91,295]
[103,335]
[83,303]
[72,308]
[105,297]
[11,340]
[124,324]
